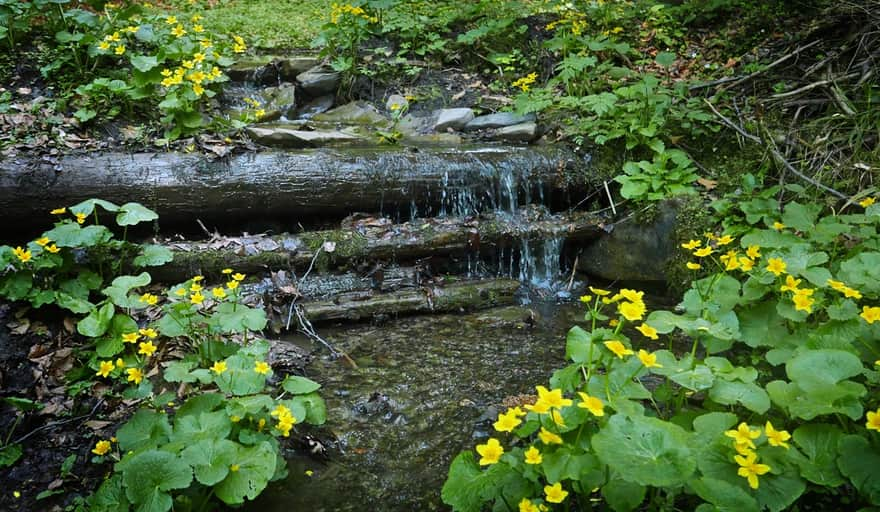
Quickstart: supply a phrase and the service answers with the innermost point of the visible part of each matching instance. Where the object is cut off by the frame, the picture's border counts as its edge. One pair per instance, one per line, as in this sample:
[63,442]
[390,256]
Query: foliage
[775,400]
[669,174]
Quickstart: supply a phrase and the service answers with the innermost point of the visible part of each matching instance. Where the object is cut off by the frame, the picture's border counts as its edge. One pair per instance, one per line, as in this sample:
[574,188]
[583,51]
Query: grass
[265,24]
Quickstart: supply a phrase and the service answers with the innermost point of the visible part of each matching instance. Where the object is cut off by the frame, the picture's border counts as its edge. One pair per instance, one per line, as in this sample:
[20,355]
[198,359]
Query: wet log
[431,299]
[377,239]
[290,186]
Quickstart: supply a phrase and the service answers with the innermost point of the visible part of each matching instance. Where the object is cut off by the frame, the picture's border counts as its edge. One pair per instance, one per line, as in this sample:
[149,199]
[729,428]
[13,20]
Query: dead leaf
[707,183]
[98,425]
[459,95]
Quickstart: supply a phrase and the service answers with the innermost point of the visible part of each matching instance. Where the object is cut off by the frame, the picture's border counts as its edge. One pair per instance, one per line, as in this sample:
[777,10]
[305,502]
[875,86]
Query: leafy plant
[671,173]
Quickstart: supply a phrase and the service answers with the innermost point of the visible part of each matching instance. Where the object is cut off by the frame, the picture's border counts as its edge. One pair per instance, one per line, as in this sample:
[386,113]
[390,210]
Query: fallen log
[470,295]
[286,185]
[376,239]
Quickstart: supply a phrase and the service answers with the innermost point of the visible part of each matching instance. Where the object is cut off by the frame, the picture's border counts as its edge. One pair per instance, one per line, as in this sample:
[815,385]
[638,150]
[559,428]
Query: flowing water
[425,388]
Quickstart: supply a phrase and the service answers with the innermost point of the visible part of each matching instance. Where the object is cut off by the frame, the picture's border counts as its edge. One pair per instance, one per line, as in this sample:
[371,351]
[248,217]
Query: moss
[349,245]
[693,219]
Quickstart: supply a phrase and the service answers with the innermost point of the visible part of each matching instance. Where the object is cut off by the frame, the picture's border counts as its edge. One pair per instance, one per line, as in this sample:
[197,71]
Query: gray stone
[279,98]
[523,132]
[434,139]
[499,120]
[396,99]
[279,136]
[249,69]
[291,67]
[454,118]
[314,107]
[356,112]
[411,125]
[633,251]
[319,81]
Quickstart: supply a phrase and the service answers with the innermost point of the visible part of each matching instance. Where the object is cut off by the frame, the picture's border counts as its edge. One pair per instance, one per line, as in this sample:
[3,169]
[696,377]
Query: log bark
[288,185]
[434,299]
[409,241]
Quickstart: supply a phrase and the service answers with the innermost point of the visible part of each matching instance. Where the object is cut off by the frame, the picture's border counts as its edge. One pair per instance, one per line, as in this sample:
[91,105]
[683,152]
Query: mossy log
[287,186]
[376,240]
[469,295]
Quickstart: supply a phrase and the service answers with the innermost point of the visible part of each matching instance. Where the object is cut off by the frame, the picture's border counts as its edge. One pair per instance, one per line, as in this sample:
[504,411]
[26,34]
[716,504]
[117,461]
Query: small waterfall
[540,266]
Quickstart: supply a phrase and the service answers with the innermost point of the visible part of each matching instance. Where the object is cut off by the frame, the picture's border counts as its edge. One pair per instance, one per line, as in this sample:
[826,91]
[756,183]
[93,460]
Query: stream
[425,388]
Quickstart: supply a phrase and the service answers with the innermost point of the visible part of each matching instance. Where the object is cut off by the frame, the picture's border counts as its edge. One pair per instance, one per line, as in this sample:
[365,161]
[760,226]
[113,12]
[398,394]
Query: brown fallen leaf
[707,183]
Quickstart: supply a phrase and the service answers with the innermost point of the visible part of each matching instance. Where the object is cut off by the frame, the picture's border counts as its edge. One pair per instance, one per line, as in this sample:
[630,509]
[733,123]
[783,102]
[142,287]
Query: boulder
[252,69]
[312,108]
[291,67]
[498,120]
[356,112]
[411,125]
[634,251]
[279,98]
[319,81]
[284,137]
[523,132]
[455,118]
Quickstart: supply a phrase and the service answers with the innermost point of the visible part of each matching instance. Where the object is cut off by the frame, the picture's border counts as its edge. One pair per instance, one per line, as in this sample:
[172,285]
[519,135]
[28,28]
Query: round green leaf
[149,475]
[134,213]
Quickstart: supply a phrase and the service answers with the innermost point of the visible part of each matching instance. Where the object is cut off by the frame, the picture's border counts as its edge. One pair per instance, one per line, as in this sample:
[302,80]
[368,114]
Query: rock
[314,107]
[291,67]
[410,125]
[319,81]
[283,137]
[396,102]
[454,118]
[356,112]
[279,98]
[523,132]
[499,120]
[255,69]
[434,139]
[633,251]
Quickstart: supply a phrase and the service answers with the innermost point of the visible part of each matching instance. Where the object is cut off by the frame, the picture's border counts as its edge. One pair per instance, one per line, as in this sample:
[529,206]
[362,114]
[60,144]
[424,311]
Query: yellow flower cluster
[743,442]
[338,10]
[525,82]
[285,418]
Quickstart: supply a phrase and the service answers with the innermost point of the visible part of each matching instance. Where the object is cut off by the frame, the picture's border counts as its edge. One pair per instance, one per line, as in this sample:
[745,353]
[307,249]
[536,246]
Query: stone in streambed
[291,67]
[356,112]
[284,137]
[455,118]
[279,98]
[312,108]
[498,120]
[319,81]
[523,132]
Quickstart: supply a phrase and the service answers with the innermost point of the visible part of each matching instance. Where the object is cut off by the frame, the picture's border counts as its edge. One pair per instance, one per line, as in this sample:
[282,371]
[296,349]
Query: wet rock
[499,120]
[319,81]
[356,112]
[314,107]
[523,132]
[291,67]
[455,118]
[410,125]
[396,102]
[279,98]
[633,251]
[254,69]
[442,139]
[284,137]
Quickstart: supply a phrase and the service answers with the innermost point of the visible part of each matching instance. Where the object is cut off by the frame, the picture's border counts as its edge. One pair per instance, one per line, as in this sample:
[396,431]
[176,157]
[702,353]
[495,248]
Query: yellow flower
[586,298]
[166,72]
[218,293]
[146,348]
[554,493]
[24,255]
[870,314]
[632,311]
[130,337]
[58,211]
[776,437]
[149,298]
[196,298]
[104,45]
[873,422]
[746,264]
[693,266]
[527,506]
[131,29]
[490,452]
[548,437]
[119,50]
[790,285]
[135,375]
[702,253]
[105,368]
[506,422]
[101,447]
[557,418]
[649,359]
[262,367]
[852,293]
[533,456]
[692,244]
[753,251]
[778,226]
[776,266]
[198,89]
[599,291]
[238,277]
[42,241]
[750,469]
[198,29]
[226,271]
[233,468]
[803,302]
[553,398]
[196,18]
[171,20]
[80,218]
[232,285]
[120,363]
[618,348]
[115,37]
[724,240]
[866,202]
[648,331]
[180,292]
[219,367]
[592,404]
[743,435]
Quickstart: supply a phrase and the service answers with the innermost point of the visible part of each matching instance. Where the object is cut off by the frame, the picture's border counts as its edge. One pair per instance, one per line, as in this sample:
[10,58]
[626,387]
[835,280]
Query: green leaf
[73,304]
[210,459]
[316,409]
[71,234]
[22,404]
[153,256]
[467,487]
[750,395]
[16,286]
[150,474]
[240,378]
[10,454]
[818,370]
[88,206]
[645,450]
[205,402]
[112,343]
[97,322]
[119,288]
[256,465]
[144,62]
[801,217]
[819,442]
[194,427]
[665,59]
[778,492]
[725,496]
[134,213]
[232,318]
[859,461]
[623,496]
[579,346]
[299,385]
[146,429]
[563,464]
[179,371]
[862,272]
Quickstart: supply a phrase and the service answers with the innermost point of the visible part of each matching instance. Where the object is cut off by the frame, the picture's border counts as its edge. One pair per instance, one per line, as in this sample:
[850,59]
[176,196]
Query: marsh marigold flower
[866,202]
[693,266]
[691,245]
[548,437]
[262,367]
[135,375]
[873,420]
[104,369]
[750,469]
[490,452]
[219,367]
[649,359]
[507,421]
[778,226]
[533,456]
[101,448]
[776,437]
[743,435]
[146,348]
[702,253]
[648,331]
[24,255]
[632,311]
[776,266]
[618,348]
[526,505]
[130,337]
[592,404]
[870,314]
[554,493]
[599,292]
